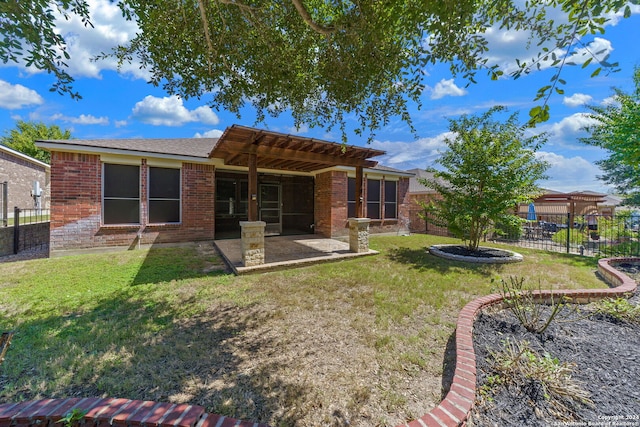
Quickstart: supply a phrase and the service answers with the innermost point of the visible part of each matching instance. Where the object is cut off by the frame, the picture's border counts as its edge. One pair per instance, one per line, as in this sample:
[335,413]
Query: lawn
[360,342]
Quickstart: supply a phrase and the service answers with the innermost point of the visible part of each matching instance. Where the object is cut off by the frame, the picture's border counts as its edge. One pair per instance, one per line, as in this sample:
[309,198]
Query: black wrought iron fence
[30,229]
[594,235]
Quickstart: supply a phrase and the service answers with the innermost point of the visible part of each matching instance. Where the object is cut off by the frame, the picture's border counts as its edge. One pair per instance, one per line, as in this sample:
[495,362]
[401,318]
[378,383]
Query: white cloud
[213,133]
[13,97]
[120,123]
[170,111]
[299,130]
[614,18]
[568,174]
[82,119]
[599,49]
[446,88]
[84,43]
[409,155]
[569,128]
[577,99]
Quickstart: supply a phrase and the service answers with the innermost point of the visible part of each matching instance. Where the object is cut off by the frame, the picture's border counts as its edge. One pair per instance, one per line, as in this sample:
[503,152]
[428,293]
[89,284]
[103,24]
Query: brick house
[21,172]
[124,192]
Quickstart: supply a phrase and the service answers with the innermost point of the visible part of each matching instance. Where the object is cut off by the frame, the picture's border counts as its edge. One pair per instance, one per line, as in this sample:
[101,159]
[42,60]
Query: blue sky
[122,105]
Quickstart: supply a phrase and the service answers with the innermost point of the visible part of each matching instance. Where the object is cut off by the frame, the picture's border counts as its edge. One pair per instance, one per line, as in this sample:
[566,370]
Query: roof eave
[85,149]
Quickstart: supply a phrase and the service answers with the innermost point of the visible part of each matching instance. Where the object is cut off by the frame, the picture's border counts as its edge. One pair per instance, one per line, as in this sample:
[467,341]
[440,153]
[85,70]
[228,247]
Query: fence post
[568,231]
[16,229]
[5,198]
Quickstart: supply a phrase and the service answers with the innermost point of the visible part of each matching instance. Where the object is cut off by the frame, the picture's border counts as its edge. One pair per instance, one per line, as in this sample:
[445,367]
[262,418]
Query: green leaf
[596,72]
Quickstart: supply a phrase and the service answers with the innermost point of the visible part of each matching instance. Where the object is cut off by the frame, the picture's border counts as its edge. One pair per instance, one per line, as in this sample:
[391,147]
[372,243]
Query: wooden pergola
[260,149]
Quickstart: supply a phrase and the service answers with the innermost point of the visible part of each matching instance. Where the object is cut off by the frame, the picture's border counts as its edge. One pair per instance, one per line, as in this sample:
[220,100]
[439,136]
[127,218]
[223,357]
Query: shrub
[523,303]
[520,365]
[576,236]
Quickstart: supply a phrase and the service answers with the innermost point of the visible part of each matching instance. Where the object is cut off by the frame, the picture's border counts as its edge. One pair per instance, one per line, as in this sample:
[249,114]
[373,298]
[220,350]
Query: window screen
[390,199]
[121,194]
[373,199]
[351,198]
[164,195]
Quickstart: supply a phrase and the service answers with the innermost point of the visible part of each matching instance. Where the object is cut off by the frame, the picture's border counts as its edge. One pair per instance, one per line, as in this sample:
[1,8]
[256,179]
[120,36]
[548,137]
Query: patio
[288,251]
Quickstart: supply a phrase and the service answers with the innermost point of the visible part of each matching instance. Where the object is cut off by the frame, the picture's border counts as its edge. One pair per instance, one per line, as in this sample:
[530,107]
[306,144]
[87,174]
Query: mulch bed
[606,354]
[481,252]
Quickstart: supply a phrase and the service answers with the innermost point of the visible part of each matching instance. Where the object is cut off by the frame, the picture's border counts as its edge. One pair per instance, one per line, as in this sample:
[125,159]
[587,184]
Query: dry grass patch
[360,342]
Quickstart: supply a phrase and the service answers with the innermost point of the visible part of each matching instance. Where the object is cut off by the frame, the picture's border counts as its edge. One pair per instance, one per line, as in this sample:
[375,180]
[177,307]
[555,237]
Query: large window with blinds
[120,194]
[164,195]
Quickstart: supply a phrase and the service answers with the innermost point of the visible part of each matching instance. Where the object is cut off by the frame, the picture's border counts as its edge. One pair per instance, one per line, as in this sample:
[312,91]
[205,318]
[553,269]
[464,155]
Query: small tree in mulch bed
[489,167]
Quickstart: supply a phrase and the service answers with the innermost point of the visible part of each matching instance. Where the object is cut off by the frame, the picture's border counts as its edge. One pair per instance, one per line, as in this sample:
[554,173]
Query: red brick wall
[76,207]
[417,224]
[331,207]
[75,199]
[331,204]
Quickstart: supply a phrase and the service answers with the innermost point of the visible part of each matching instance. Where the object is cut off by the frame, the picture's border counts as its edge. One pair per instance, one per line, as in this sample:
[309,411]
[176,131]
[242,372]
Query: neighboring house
[122,192]
[21,173]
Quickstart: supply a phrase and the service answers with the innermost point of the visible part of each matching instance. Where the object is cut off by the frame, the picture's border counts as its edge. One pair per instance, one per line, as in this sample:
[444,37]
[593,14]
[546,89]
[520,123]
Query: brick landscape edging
[451,412]
[455,407]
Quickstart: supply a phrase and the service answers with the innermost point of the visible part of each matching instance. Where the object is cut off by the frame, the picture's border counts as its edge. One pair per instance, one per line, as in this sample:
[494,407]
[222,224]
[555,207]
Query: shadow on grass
[134,348]
[448,365]
[422,260]
[164,263]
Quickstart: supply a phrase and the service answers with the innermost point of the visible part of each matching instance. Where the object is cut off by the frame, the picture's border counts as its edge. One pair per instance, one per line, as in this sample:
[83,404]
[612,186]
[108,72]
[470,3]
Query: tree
[23,138]
[617,130]
[322,60]
[488,168]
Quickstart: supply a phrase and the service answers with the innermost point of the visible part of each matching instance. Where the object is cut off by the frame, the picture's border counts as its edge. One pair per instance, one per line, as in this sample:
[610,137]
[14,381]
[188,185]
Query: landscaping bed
[598,351]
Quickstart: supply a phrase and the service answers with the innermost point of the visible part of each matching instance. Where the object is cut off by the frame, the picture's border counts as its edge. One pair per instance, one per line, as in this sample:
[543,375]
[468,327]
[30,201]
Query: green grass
[28,219]
[282,347]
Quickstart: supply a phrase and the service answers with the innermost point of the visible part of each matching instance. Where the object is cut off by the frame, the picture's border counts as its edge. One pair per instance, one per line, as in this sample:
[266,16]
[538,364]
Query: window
[351,198]
[390,200]
[121,194]
[373,199]
[164,195]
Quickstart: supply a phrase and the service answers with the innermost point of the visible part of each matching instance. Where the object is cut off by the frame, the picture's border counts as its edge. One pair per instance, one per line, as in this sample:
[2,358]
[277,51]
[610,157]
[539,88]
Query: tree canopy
[24,136]
[321,60]
[617,130]
[488,168]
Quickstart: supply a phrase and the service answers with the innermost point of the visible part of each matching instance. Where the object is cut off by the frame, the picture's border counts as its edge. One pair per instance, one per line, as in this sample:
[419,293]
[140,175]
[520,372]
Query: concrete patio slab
[288,251]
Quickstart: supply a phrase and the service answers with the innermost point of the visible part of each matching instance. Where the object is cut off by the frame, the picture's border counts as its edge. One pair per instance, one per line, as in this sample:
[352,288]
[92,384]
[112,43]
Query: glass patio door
[271,208]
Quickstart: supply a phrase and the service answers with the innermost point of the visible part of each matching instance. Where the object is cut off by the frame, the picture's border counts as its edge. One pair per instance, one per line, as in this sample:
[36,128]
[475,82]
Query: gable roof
[198,148]
[23,157]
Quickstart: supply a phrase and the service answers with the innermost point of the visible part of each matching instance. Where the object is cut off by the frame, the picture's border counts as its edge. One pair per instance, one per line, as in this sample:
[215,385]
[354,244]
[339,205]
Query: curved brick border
[451,412]
[112,412]
[457,404]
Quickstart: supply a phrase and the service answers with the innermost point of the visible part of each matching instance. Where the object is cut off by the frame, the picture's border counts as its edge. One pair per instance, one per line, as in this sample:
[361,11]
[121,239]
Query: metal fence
[589,235]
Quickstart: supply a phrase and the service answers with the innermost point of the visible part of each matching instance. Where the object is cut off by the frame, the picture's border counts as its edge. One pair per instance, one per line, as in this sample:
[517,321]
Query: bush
[508,229]
[576,236]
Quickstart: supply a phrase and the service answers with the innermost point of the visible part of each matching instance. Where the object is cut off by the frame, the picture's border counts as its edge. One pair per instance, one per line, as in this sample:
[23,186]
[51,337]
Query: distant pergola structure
[575,203]
[256,148]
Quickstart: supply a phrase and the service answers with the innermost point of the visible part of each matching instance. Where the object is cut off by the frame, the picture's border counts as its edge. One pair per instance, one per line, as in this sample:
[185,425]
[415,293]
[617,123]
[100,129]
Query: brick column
[252,236]
[359,234]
